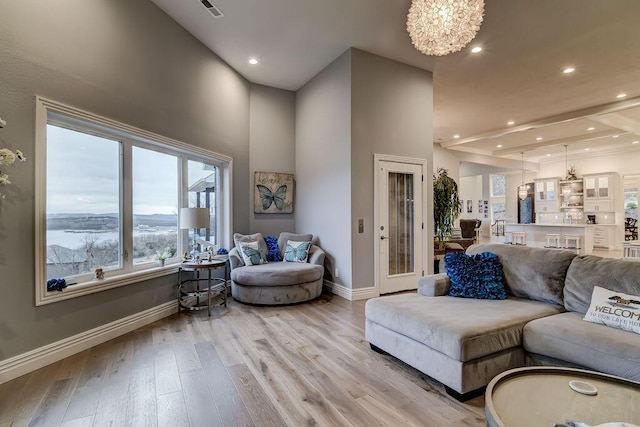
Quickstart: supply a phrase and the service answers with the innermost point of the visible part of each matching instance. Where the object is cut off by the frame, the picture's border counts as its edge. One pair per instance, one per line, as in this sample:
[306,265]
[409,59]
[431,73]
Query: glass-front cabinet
[547,195]
[597,186]
[546,189]
[599,193]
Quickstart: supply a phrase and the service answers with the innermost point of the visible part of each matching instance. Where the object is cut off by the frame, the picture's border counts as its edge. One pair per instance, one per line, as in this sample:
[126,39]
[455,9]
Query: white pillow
[252,253]
[614,309]
[296,251]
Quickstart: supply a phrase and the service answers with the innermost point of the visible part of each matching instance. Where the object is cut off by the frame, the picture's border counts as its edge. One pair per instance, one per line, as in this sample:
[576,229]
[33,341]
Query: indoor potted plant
[161,257]
[446,205]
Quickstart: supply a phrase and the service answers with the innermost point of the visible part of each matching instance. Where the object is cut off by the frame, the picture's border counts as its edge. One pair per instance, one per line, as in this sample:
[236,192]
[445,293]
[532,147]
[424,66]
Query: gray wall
[359,105]
[272,148]
[128,61]
[391,113]
[323,164]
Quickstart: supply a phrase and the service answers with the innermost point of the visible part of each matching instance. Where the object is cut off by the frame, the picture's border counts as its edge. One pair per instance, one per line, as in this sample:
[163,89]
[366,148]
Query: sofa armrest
[235,259]
[316,255]
[434,285]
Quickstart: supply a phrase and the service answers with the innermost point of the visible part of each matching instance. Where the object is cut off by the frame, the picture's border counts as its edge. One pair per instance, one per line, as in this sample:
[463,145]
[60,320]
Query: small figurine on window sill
[210,251]
[186,257]
[99,274]
[572,174]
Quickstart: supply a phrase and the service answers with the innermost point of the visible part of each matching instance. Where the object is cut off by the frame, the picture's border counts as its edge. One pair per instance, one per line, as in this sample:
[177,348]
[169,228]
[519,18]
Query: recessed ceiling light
[635,142]
[476,49]
[539,138]
[253,61]
[591,128]
[548,155]
[615,136]
[456,136]
[587,149]
[621,95]
[511,123]
[568,70]
[499,146]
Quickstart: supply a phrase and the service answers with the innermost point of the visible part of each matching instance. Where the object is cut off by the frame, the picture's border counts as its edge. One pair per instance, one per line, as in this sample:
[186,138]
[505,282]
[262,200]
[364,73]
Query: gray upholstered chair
[277,283]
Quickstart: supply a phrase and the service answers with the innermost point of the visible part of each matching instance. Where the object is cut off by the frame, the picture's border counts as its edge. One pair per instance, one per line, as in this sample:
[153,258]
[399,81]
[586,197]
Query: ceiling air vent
[212,8]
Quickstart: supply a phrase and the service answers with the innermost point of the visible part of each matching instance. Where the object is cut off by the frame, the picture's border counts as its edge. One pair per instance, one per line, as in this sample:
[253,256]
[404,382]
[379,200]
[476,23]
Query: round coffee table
[541,396]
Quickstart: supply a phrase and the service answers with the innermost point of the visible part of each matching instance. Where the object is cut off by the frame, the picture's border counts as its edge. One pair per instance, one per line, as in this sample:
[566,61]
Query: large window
[497,197]
[109,196]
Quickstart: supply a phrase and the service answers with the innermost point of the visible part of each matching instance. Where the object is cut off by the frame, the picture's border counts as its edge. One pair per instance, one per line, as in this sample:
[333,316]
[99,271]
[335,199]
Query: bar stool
[520,238]
[553,240]
[508,237]
[572,238]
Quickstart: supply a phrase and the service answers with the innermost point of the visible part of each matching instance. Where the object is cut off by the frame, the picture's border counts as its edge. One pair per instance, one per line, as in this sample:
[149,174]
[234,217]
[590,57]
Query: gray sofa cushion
[587,271]
[534,273]
[569,338]
[461,328]
[277,274]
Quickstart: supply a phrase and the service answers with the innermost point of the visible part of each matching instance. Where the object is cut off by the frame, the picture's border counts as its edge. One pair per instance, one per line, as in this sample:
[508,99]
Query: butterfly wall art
[273,192]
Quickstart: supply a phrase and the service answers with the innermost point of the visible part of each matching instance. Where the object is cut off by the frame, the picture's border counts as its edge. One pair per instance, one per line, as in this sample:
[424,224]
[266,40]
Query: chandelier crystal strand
[440,27]
[522,190]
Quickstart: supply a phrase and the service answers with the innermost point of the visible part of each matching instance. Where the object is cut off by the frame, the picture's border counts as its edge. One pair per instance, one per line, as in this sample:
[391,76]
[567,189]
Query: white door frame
[377,158]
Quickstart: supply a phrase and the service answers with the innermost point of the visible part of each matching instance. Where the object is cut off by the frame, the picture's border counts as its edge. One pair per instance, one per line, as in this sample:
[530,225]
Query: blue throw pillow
[478,276]
[273,254]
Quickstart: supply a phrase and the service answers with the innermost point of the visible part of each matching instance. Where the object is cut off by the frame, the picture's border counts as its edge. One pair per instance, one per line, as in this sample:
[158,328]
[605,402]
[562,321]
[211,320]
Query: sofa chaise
[277,283]
[464,343]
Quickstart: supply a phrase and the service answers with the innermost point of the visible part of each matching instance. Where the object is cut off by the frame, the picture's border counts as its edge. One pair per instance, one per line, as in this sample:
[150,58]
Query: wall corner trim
[351,294]
[50,353]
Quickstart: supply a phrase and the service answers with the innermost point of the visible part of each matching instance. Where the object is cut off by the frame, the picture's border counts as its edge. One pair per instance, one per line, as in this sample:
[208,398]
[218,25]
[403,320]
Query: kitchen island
[537,234]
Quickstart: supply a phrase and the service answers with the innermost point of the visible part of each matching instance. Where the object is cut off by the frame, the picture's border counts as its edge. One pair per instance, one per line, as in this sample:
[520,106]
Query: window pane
[155,205]
[202,194]
[498,211]
[83,202]
[497,185]
[401,223]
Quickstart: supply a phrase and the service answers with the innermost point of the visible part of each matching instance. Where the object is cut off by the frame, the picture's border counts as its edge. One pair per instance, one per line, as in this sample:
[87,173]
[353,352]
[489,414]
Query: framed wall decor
[273,192]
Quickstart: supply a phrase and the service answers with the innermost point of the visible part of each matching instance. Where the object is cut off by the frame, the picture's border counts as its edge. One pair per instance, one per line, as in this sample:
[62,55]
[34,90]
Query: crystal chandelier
[440,27]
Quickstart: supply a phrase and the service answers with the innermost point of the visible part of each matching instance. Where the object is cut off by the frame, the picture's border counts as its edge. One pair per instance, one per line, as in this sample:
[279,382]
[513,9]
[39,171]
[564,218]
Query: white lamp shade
[194,217]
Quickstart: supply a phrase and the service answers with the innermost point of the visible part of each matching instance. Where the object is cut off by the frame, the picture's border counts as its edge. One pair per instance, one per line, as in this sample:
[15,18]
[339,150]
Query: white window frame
[95,124]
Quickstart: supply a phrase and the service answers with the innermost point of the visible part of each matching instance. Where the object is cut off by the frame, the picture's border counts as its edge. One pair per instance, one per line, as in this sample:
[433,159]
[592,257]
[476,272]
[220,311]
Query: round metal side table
[200,288]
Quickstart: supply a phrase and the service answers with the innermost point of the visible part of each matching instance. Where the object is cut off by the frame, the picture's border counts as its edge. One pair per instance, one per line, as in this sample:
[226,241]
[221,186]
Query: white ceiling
[518,76]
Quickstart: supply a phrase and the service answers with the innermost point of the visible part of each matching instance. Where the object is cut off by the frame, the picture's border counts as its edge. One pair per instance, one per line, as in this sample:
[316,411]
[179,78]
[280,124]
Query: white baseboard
[36,359]
[351,294]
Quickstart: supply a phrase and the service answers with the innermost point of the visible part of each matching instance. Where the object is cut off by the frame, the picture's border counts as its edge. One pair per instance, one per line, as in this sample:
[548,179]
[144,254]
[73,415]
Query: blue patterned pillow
[478,276]
[272,245]
[296,251]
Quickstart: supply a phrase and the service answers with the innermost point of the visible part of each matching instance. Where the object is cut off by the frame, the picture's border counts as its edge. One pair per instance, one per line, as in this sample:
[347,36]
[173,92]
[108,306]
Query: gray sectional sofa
[464,343]
[278,283]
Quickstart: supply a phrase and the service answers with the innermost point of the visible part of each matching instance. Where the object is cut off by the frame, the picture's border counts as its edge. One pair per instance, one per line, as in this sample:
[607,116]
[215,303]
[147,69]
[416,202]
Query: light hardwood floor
[299,365]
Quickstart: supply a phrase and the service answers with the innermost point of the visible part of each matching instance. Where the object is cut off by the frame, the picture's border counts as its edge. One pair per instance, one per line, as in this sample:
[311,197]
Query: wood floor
[302,365]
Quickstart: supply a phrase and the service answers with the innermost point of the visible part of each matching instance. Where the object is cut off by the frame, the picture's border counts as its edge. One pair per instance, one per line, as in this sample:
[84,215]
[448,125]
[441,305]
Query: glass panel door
[603,186]
[590,188]
[401,223]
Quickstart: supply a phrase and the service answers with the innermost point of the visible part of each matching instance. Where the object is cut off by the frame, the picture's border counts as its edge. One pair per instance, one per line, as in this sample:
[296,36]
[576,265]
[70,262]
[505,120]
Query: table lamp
[195,218]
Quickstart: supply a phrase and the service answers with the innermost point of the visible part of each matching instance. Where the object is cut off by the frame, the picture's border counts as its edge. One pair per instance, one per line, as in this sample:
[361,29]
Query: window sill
[96,285]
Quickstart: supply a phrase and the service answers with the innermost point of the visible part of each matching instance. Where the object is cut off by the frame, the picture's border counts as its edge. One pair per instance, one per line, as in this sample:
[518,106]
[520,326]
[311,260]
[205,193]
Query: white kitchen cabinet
[599,193]
[547,199]
[604,236]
